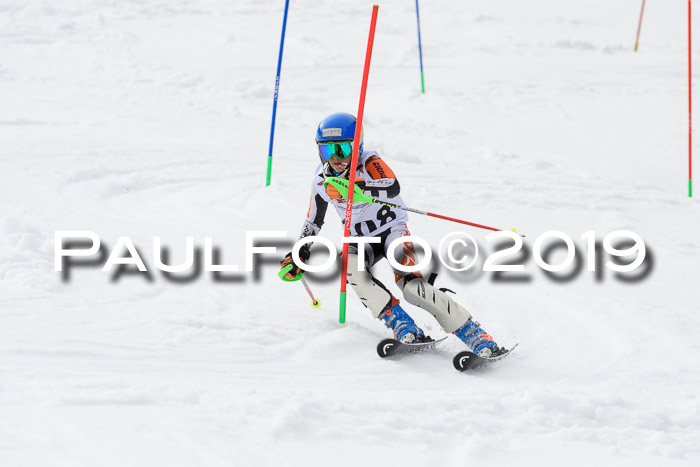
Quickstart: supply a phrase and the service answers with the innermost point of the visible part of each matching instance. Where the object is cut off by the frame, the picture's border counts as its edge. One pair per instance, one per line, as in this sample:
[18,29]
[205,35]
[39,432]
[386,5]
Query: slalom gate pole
[420,52]
[639,28]
[353,164]
[690,112]
[342,186]
[277,88]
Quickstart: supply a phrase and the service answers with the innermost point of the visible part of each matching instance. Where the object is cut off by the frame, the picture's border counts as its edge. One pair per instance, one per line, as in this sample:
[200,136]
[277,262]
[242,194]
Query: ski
[391,347]
[466,360]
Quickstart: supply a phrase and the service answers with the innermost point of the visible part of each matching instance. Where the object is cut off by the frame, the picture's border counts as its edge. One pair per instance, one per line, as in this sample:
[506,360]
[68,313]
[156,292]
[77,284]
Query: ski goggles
[339,149]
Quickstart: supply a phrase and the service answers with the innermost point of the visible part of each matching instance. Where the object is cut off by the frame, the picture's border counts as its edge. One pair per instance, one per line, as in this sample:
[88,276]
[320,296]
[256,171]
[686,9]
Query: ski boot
[478,340]
[405,329]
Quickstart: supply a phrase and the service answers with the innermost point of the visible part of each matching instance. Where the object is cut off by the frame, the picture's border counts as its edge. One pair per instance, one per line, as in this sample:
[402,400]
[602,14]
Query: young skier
[334,138]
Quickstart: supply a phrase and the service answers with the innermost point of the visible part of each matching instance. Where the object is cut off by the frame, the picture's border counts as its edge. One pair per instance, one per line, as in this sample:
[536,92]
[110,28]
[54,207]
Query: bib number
[366,228]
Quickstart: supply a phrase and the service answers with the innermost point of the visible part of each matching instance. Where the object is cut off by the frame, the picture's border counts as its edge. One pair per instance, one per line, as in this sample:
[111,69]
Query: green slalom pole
[343,304]
[269,170]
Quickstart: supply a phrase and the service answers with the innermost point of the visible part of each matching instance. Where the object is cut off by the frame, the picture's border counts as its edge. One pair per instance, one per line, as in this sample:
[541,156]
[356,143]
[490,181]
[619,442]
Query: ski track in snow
[151,118]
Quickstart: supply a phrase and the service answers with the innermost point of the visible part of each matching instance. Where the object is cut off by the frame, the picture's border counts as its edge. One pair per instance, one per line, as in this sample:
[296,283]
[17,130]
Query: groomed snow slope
[148,118]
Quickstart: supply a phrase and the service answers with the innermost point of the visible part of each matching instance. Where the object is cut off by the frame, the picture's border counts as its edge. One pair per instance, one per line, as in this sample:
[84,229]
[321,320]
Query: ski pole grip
[283,272]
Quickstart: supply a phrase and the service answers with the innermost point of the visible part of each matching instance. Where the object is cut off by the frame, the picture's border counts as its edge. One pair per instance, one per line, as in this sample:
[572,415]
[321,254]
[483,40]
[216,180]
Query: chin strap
[329,172]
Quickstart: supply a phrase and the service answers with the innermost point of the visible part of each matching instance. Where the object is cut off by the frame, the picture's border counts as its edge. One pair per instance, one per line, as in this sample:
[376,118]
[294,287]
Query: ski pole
[342,186]
[315,302]
[639,28]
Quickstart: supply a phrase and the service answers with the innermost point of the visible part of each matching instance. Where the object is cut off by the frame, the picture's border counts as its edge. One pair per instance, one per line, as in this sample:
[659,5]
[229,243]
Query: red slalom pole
[639,28]
[353,164]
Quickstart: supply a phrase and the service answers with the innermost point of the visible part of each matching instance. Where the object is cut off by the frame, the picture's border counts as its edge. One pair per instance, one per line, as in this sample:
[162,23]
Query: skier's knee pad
[450,314]
[370,291]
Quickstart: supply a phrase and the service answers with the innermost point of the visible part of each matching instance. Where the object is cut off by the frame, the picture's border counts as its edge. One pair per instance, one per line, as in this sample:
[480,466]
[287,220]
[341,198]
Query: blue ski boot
[405,330]
[478,340]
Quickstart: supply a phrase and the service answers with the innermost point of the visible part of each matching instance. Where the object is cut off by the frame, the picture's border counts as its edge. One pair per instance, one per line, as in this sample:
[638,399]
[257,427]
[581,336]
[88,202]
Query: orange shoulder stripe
[377,168]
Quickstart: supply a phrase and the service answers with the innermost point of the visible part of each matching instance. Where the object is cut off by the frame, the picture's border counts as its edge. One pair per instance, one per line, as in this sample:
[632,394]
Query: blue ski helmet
[334,137]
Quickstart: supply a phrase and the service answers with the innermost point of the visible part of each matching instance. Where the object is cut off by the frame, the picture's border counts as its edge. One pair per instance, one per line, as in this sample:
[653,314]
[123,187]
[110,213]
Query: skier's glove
[333,192]
[294,273]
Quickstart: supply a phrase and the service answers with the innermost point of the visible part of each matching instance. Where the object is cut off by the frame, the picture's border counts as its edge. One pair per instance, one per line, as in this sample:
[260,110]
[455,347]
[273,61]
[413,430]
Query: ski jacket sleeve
[382,182]
[316,213]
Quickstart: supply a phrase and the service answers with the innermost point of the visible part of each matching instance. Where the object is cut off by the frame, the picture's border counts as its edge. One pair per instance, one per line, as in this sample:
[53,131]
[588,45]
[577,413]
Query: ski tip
[385,347]
[465,360]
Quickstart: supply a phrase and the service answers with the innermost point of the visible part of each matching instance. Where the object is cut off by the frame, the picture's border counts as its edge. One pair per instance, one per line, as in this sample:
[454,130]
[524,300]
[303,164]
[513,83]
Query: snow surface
[152,118]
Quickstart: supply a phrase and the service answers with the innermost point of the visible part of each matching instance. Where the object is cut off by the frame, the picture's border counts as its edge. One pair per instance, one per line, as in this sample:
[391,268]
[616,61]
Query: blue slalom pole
[277,88]
[420,52]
